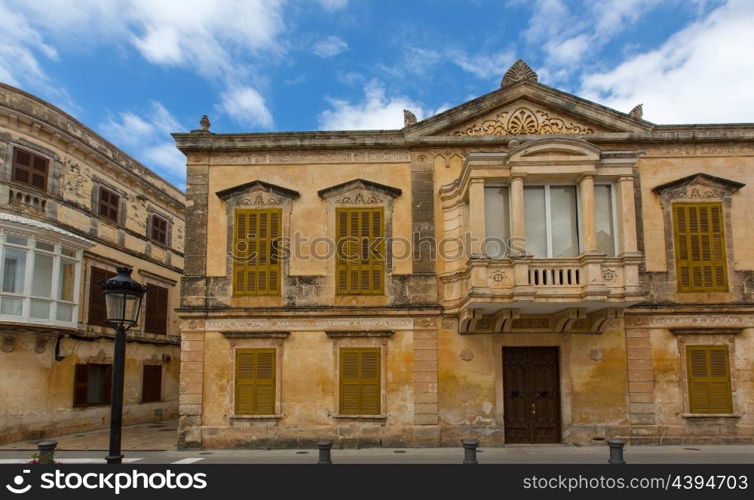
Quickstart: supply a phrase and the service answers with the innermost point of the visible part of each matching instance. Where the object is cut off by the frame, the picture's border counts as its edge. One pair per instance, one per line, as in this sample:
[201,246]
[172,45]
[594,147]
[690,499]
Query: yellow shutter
[360,258]
[700,247]
[709,379]
[360,392]
[255,382]
[256,263]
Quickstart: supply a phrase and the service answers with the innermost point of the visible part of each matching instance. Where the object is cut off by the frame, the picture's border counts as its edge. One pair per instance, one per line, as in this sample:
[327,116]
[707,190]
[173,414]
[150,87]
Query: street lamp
[123,301]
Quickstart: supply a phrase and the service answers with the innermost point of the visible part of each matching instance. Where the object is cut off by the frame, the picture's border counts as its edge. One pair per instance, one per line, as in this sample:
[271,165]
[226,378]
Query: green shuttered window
[256,252]
[700,247]
[360,392]
[360,251]
[709,379]
[255,382]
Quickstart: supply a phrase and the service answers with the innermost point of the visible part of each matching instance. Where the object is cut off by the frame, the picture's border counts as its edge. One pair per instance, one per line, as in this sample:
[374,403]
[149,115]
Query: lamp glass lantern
[122,299]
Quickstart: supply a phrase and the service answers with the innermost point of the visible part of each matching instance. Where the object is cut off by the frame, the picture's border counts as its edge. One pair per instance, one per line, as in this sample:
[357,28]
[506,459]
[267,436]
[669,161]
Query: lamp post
[122,301]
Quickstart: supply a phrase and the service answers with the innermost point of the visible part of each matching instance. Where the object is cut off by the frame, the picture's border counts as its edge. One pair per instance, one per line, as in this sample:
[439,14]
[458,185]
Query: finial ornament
[519,72]
[408,118]
[637,112]
[204,123]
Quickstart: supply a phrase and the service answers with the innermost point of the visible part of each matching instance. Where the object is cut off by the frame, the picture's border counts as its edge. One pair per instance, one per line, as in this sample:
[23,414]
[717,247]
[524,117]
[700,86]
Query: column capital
[517,176]
[626,178]
[587,175]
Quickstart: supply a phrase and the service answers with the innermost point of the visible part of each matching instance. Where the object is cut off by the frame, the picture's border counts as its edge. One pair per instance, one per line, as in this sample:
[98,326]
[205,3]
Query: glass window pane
[13,307]
[66,279]
[68,252]
[41,281]
[15,240]
[45,246]
[603,205]
[64,312]
[496,221]
[565,235]
[40,309]
[14,270]
[534,221]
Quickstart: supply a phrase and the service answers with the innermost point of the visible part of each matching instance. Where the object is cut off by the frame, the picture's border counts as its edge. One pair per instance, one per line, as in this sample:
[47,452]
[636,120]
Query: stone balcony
[552,295]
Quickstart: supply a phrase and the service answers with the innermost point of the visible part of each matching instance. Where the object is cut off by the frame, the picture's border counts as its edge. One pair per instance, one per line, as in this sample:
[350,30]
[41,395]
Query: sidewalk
[153,436]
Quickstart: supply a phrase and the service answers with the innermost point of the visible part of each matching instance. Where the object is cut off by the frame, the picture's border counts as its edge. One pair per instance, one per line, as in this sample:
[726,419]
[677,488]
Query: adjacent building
[527,267]
[72,208]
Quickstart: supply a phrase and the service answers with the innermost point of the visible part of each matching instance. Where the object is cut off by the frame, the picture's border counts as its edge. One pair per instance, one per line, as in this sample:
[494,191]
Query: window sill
[360,417]
[241,418]
[711,416]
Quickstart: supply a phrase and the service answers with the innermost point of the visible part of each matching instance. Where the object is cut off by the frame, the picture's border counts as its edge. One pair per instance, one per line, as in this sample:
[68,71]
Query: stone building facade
[72,208]
[527,267]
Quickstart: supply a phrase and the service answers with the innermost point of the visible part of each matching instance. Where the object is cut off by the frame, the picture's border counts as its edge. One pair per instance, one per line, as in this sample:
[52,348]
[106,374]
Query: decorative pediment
[257,194]
[359,192]
[698,187]
[524,118]
[555,150]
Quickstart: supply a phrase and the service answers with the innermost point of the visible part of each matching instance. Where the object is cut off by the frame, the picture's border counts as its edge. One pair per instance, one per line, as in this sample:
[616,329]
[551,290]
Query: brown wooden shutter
[156,320]
[709,379]
[108,384]
[360,391]
[151,384]
[256,257]
[159,229]
[81,385]
[255,382]
[108,204]
[700,247]
[360,258]
[97,310]
[30,169]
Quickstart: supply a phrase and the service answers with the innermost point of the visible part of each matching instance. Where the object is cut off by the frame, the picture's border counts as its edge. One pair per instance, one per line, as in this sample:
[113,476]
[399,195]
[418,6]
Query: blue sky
[136,70]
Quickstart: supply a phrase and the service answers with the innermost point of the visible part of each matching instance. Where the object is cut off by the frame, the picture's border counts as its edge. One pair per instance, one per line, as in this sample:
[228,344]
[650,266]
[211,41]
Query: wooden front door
[531,385]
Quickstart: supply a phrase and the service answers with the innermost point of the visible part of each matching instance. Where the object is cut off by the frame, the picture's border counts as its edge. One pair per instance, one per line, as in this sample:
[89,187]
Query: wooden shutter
[360,256]
[256,243]
[107,374]
[159,229]
[97,310]
[108,204]
[255,382]
[156,320]
[360,391]
[709,379]
[700,247]
[151,384]
[81,385]
[30,169]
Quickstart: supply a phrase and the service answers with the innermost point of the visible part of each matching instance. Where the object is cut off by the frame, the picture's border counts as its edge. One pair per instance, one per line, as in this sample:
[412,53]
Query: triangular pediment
[698,187]
[528,108]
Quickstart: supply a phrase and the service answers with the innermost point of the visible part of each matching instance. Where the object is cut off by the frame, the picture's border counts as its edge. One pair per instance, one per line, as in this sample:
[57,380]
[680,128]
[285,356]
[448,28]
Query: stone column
[477,229]
[627,214]
[518,230]
[191,385]
[588,227]
[425,381]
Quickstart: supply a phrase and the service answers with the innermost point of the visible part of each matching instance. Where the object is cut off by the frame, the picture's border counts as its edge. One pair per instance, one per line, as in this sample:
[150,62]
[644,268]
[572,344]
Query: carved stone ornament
[408,118]
[204,123]
[466,355]
[498,276]
[519,72]
[360,198]
[260,200]
[637,112]
[524,121]
[9,342]
[609,274]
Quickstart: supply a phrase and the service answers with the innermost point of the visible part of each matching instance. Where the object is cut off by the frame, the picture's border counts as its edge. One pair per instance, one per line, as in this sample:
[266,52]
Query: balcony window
[39,281]
[551,221]
[496,221]
[604,223]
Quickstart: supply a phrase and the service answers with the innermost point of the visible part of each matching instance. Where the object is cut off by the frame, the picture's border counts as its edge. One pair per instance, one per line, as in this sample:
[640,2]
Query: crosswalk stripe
[189,460]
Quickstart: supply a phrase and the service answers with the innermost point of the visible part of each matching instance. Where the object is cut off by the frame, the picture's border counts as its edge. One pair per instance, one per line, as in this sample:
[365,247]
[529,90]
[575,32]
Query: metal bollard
[46,451]
[616,451]
[324,452]
[469,451]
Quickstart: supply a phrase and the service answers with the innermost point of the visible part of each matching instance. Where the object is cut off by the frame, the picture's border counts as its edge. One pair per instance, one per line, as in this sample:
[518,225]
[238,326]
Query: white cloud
[246,106]
[330,46]
[704,73]
[375,112]
[333,5]
[483,65]
[148,137]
